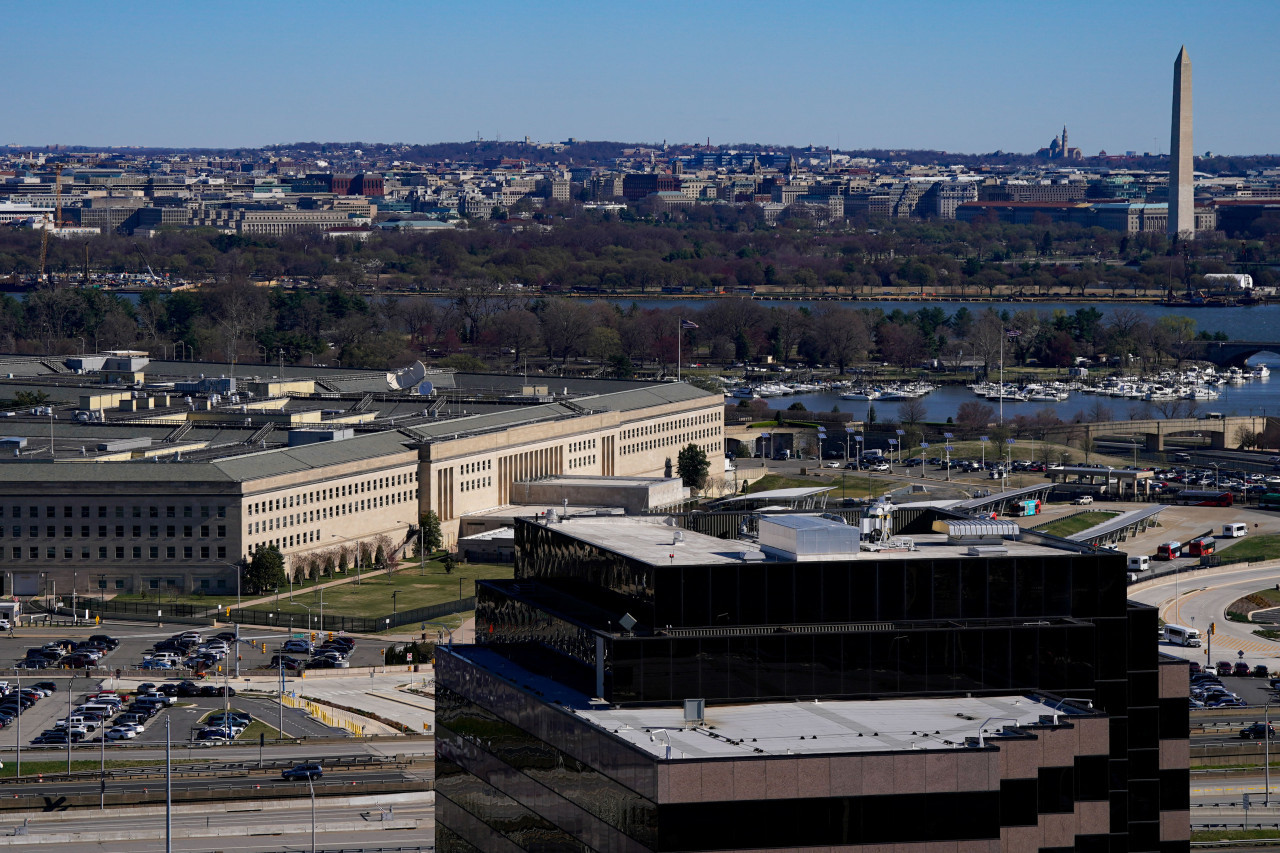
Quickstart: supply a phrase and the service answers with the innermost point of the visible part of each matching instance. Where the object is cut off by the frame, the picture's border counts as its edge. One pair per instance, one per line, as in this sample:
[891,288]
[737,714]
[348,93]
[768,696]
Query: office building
[911,681]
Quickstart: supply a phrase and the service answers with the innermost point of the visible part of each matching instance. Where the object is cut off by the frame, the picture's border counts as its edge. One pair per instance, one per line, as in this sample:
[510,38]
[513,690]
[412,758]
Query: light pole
[902,433]
[982,440]
[17,770]
[848,432]
[168,789]
[394,593]
[947,447]
[312,788]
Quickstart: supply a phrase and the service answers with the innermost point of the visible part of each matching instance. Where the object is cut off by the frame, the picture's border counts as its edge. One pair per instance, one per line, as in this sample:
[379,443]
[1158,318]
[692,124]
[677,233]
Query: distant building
[1059,150]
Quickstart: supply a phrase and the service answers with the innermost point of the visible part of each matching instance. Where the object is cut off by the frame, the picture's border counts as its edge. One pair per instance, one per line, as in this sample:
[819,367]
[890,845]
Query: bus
[1202,497]
[1181,635]
[1201,547]
[1269,502]
[1169,551]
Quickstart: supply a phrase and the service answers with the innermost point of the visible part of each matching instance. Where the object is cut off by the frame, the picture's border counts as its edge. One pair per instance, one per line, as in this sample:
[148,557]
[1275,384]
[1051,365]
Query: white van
[1139,563]
[1234,529]
[1181,635]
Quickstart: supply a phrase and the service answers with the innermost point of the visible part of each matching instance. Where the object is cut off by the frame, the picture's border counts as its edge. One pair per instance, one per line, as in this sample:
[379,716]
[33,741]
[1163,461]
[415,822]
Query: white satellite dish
[406,377]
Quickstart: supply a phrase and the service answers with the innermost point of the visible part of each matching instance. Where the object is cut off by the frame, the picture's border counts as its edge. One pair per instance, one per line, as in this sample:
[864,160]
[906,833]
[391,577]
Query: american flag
[688,324]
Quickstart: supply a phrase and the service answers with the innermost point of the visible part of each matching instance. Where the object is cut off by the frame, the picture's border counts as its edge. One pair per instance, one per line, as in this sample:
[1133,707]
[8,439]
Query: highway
[400,820]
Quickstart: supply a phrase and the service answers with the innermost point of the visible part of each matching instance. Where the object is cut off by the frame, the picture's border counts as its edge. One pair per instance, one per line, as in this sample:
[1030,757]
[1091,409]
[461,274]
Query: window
[204,532]
[170,531]
[84,512]
[66,512]
[186,531]
[51,552]
[34,552]
[102,512]
[204,552]
[84,553]
[119,512]
[67,531]
[171,512]
[153,584]
[222,512]
[153,531]
[153,552]
[170,552]
[137,552]
[137,512]
[137,531]
[186,512]
[119,583]
[67,553]
[51,531]
[222,552]
[102,553]
[204,512]
[119,531]
[17,553]
[204,583]
[119,552]
[186,552]
[50,512]
[153,512]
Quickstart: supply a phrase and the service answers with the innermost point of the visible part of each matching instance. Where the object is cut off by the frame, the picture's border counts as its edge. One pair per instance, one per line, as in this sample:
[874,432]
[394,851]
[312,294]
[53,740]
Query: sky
[958,76]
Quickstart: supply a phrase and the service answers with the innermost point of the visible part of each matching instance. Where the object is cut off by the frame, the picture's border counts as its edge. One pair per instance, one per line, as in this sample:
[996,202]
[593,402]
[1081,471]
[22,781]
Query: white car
[5,625]
[831,465]
[121,733]
[1083,500]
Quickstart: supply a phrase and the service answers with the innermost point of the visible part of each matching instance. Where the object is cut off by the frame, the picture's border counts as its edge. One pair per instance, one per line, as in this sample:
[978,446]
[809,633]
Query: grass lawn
[1075,523]
[372,597]
[1252,549]
[854,484]
[49,768]
[1232,834]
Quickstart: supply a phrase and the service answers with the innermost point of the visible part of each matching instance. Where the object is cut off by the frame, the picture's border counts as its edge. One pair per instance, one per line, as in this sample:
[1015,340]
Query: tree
[974,415]
[432,538]
[266,570]
[449,562]
[693,466]
[30,398]
[911,412]
[343,563]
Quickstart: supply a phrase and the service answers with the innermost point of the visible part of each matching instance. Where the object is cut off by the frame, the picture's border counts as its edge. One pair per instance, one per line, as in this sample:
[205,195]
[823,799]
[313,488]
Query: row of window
[286,542]
[17,510]
[313,515]
[478,483]
[153,531]
[473,467]
[50,552]
[668,426]
[680,439]
[576,446]
[579,461]
[334,493]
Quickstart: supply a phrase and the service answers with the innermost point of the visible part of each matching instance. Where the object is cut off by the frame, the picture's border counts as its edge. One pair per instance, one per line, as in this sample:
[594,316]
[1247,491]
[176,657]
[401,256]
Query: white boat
[1261,372]
[744,392]
[861,394]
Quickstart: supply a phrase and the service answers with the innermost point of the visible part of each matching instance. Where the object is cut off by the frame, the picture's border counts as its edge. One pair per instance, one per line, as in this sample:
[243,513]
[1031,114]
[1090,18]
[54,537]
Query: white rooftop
[786,728]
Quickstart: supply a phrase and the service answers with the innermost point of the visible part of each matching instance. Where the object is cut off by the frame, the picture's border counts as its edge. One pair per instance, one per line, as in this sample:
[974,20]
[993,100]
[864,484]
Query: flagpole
[679,342]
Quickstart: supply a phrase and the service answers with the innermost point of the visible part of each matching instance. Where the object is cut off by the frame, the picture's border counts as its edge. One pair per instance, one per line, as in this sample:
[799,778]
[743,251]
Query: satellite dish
[425,388]
[407,377]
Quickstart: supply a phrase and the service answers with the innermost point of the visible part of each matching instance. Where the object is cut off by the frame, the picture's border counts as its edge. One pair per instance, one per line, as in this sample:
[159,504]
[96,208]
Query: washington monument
[1182,194]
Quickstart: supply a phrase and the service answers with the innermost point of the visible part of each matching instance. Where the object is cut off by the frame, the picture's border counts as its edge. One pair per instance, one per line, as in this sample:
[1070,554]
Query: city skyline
[965,79]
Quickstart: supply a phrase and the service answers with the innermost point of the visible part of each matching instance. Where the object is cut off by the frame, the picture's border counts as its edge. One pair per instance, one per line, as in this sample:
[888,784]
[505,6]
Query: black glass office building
[622,617]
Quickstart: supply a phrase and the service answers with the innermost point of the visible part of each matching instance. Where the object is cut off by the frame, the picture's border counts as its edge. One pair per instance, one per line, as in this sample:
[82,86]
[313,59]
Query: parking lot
[256,650]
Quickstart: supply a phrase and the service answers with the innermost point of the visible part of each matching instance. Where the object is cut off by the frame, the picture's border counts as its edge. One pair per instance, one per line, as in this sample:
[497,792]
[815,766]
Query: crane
[57,220]
[155,279]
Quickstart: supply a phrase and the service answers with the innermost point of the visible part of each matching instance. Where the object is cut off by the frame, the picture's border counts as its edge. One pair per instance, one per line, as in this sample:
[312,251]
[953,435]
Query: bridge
[1221,432]
[1228,353]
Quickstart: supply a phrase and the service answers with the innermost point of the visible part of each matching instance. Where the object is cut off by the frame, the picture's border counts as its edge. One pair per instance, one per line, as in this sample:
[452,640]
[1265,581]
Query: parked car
[1240,668]
[1083,500]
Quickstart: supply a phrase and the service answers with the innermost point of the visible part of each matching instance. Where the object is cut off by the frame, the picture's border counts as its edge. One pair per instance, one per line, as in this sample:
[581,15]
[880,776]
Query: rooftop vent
[695,710]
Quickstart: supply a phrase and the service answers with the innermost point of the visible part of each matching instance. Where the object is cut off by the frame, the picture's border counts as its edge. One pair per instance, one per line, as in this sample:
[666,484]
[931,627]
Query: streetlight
[983,439]
[901,441]
[394,593]
[848,431]
[312,788]
[948,448]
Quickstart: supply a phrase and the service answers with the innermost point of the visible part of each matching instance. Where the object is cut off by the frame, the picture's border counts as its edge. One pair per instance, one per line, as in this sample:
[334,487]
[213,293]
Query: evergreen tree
[693,467]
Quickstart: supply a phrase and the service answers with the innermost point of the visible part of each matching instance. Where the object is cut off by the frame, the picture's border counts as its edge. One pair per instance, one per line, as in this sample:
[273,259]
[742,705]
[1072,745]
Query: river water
[1258,396]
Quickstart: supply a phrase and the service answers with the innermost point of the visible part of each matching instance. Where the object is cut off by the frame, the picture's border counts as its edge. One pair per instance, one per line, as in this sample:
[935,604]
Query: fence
[145,609]
[351,624]
[328,716]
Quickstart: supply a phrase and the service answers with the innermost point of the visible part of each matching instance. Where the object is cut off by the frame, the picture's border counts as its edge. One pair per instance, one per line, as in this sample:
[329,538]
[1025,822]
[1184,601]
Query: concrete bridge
[1228,353]
[1221,432]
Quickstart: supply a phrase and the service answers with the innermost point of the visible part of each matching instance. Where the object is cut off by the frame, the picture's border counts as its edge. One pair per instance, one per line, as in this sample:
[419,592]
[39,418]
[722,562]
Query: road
[1188,600]
[400,820]
[152,790]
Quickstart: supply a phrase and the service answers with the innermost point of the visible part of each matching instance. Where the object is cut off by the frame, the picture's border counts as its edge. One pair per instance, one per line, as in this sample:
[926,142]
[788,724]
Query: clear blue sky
[959,76]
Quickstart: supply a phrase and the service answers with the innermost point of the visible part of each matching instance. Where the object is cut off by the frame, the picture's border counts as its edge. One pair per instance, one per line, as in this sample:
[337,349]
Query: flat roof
[651,540]
[599,480]
[814,728]
[1120,522]
[838,726]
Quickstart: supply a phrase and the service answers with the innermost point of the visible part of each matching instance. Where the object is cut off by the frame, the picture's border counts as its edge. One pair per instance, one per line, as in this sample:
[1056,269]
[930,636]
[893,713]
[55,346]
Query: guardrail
[336,763]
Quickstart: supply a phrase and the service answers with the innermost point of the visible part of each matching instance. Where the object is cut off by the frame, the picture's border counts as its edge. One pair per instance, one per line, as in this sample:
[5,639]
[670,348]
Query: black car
[51,686]
[109,642]
[302,771]
[1257,731]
